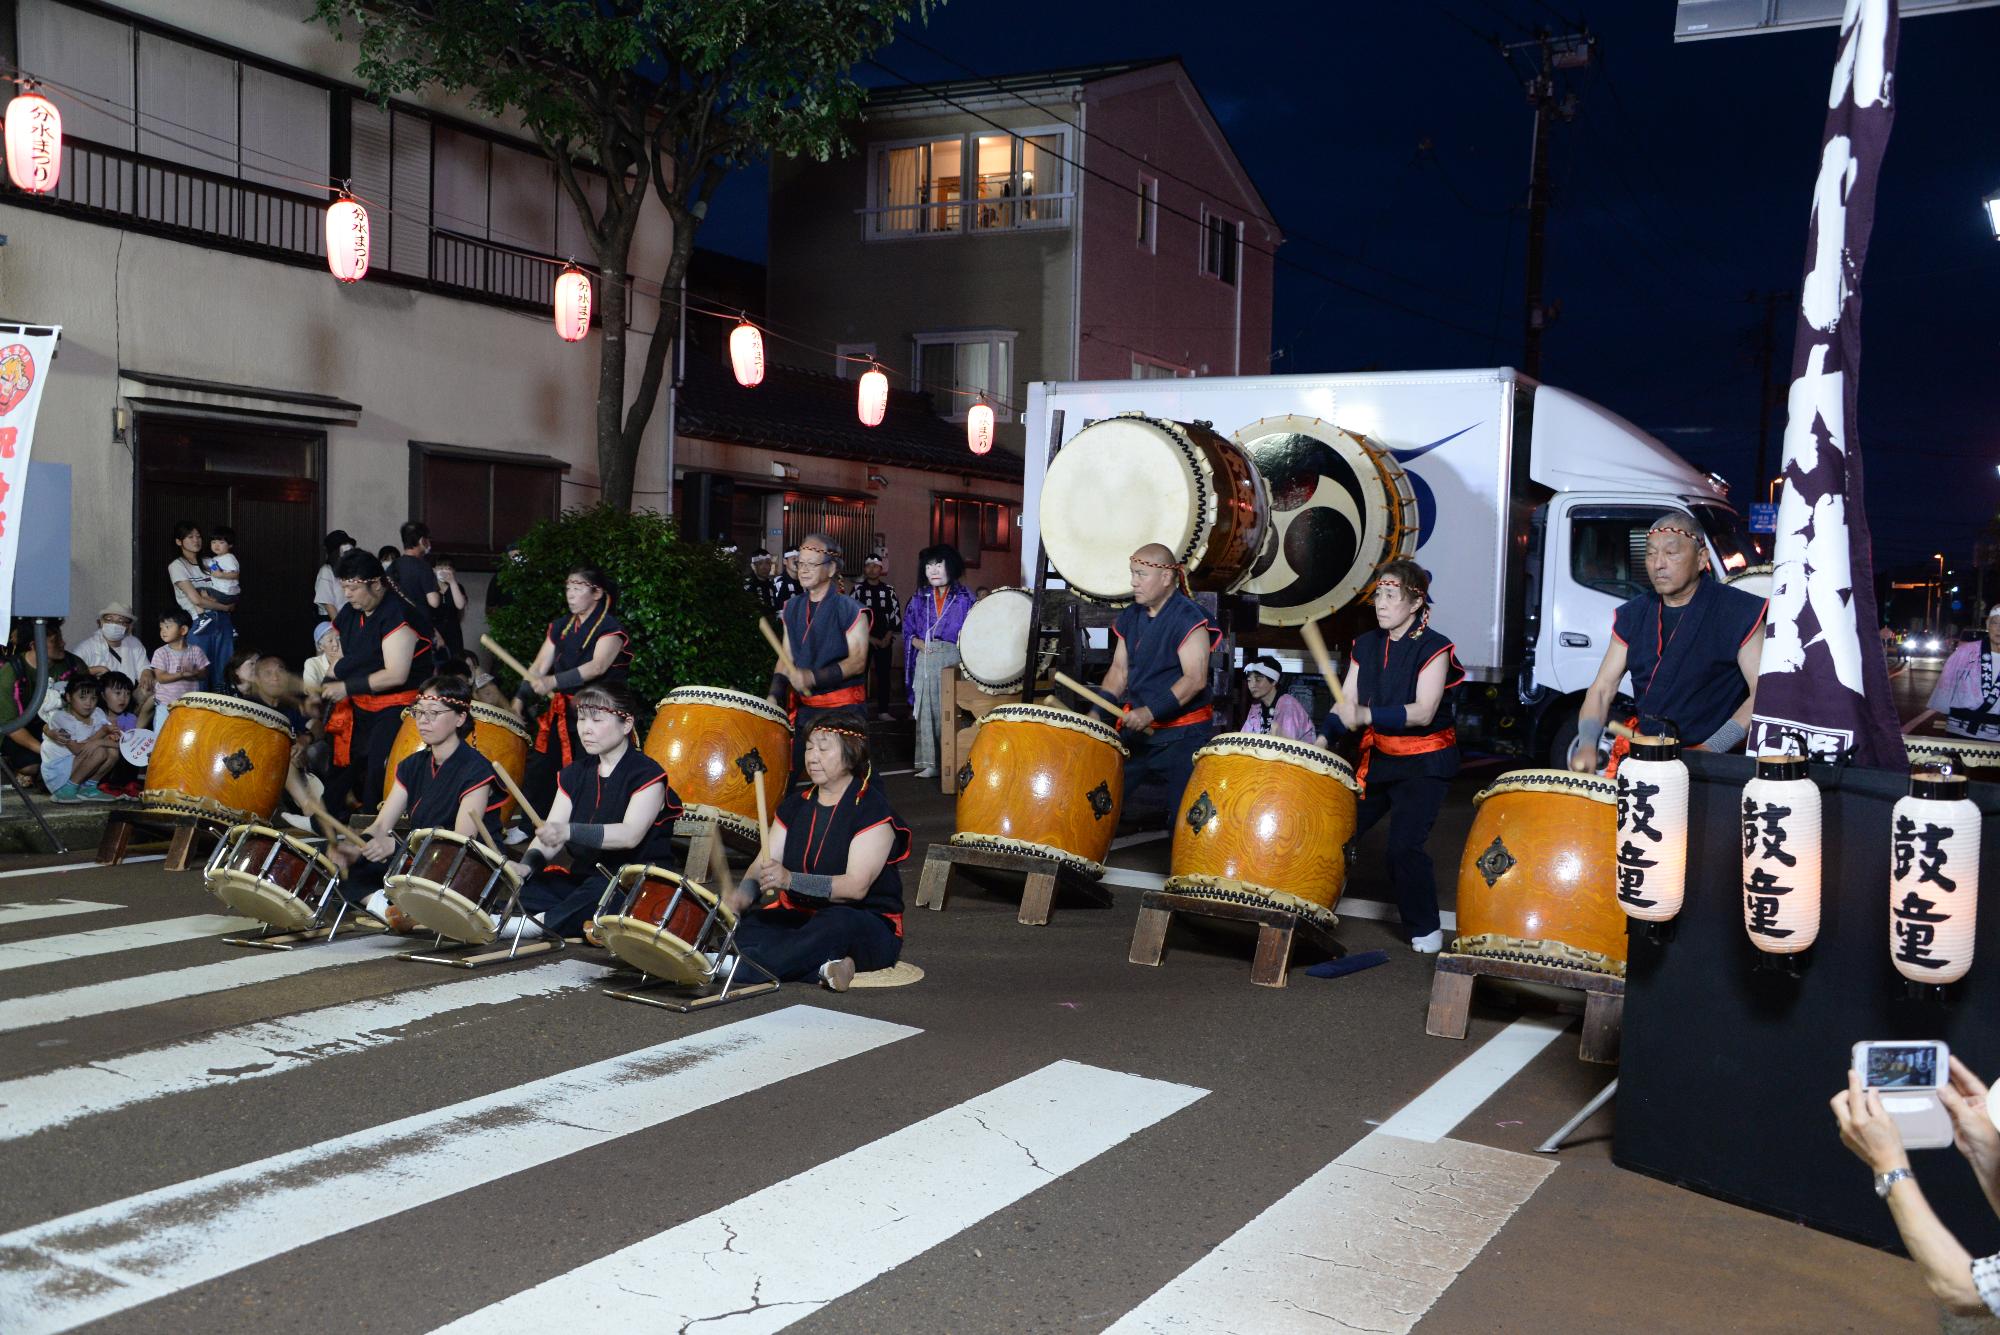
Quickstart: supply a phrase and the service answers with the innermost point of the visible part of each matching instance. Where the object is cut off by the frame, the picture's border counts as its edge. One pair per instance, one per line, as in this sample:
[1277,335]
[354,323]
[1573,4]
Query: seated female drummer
[613,806]
[446,785]
[834,849]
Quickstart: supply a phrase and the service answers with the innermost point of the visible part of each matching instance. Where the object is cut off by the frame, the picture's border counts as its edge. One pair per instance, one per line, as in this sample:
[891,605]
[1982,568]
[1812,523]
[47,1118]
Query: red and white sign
[24,365]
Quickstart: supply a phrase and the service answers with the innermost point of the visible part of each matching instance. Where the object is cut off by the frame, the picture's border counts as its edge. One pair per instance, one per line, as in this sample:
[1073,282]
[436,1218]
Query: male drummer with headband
[590,644]
[826,645]
[1159,672]
[1691,645]
[382,652]
[446,785]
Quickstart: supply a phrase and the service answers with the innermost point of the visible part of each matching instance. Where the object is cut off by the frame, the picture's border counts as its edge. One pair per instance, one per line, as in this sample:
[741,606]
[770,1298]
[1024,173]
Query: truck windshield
[1734,543]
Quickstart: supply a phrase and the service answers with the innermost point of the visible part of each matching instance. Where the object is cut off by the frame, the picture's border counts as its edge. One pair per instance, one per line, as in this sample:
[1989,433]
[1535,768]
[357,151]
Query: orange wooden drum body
[1265,817]
[1042,781]
[710,741]
[1539,879]
[219,757]
[496,734]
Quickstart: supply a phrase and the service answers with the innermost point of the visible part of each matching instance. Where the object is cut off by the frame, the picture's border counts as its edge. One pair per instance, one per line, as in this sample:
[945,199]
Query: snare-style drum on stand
[993,642]
[1539,878]
[1975,759]
[219,757]
[271,876]
[667,926]
[1265,818]
[496,734]
[1127,481]
[712,742]
[1042,781]
[452,885]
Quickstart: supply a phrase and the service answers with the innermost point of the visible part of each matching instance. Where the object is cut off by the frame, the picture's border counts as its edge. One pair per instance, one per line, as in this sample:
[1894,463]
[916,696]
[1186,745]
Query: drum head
[1753,579]
[261,900]
[1341,507]
[654,951]
[993,644]
[441,909]
[1150,472]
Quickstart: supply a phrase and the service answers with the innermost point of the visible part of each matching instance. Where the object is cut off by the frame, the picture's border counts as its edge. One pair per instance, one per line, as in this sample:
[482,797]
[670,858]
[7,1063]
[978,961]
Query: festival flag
[25,355]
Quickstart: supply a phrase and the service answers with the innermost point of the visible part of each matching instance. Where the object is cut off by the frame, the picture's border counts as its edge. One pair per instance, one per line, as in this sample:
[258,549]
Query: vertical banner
[25,355]
[1822,674]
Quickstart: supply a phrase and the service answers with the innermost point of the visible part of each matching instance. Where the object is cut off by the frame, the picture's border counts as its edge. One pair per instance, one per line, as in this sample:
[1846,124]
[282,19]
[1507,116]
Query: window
[974,182]
[1148,368]
[973,526]
[1607,551]
[1219,242]
[849,523]
[851,359]
[478,501]
[957,368]
[1149,214]
[1734,544]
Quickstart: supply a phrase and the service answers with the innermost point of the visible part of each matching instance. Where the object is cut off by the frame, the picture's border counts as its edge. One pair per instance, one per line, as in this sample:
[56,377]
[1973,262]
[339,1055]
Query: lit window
[958,369]
[1015,180]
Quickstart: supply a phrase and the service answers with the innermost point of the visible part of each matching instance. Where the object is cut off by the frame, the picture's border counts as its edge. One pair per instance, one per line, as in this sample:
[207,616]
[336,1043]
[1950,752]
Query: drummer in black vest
[1159,673]
[1398,694]
[588,645]
[446,785]
[826,641]
[382,654]
[834,849]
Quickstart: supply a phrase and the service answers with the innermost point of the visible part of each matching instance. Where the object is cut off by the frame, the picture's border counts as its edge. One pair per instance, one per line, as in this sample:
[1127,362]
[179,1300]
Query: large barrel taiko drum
[496,734]
[993,642]
[1265,818]
[712,743]
[220,757]
[1539,878]
[1042,781]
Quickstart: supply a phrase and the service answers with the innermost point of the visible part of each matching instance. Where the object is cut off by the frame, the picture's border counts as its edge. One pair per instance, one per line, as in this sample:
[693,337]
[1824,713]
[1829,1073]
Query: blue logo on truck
[1426,500]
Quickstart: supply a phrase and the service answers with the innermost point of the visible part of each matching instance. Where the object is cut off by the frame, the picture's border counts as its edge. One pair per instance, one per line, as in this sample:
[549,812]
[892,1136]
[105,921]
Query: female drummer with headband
[382,652]
[832,862]
[1270,713]
[590,644]
[446,785]
[1399,695]
[613,806]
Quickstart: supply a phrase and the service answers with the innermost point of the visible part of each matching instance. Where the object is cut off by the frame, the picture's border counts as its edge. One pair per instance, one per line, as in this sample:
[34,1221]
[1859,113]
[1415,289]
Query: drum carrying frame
[475,955]
[320,932]
[688,999]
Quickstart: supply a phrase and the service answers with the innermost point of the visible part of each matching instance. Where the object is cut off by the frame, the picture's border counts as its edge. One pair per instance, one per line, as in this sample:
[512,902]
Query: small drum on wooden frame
[496,734]
[1539,878]
[1045,782]
[1753,579]
[452,885]
[712,743]
[1127,481]
[1265,818]
[667,926]
[219,757]
[270,875]
[993,643]
[1969,756]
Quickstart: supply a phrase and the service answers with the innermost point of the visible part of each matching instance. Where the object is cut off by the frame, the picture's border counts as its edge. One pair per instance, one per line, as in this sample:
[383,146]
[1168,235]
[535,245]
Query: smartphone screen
[1902,1066]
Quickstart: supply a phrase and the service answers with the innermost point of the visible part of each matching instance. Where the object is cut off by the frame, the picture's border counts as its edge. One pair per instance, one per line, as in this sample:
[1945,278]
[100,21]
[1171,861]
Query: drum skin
[451,900]
[993,642]
[220,757]
[1266,815]
[1975,759]
[496,734]
[287,893]
[1042,781]
[1538,880]
[710,741]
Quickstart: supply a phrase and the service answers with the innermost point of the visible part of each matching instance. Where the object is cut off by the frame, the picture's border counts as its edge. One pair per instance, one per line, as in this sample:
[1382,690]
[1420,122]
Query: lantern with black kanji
[1781,855]
[746,354]
[872,399]
[1652,828]
[572,304]
[979,428]
[347,239]
[34,143]
[1933,879]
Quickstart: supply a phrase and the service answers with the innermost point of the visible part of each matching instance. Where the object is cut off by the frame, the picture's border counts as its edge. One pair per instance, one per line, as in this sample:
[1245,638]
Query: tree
[665,97]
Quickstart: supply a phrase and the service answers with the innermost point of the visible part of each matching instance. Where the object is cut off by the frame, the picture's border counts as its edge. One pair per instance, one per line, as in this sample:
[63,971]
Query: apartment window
[1220,239]
[1149,214]
[1150,368]
[973,526]
[851,359]
[972,182]
[478,501]
[956,368]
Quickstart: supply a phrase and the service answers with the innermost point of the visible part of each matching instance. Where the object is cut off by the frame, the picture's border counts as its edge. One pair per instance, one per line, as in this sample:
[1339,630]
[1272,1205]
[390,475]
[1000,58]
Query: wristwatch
[1884,1181]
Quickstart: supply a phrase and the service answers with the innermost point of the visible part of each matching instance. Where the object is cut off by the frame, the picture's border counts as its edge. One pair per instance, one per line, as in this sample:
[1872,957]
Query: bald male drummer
[1159,673]
[826,643]
[1691,645]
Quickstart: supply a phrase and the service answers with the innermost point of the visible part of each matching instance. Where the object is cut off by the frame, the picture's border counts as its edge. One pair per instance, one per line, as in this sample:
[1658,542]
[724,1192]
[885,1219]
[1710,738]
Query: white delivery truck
[1529,505]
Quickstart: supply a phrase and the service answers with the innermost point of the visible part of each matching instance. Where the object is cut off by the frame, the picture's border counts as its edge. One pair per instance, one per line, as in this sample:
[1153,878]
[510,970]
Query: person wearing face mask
[326,586]
[114,648]
[932,621]
[589,644]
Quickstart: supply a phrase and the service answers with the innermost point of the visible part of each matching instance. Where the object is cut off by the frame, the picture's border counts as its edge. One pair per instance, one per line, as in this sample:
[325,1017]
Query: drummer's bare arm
[630,832]
[538,679]
[1597,706]
[398,650]
[1193,661]
[602,657]
[1113,684]
[767,873]
[471,811]
[866,857]
[1749,658]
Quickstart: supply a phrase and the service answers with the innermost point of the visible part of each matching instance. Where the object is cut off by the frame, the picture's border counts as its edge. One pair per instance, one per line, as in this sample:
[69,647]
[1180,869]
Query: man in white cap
[114,648]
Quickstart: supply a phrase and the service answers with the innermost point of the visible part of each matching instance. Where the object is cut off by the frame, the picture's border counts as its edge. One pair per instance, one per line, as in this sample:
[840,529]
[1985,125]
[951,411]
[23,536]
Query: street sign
[1763,517]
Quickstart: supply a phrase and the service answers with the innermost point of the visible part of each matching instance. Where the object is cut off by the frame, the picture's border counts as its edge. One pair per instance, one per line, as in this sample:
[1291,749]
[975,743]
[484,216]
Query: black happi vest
[361,637]
[818,632]
[817,839]
[575,639]
[601,799]
[1152,655]
[435,790]
[1685,670]
[1386,673]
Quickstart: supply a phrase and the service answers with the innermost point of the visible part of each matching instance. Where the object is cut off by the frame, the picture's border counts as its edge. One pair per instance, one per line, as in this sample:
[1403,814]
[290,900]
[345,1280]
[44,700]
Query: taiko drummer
[1159,672]
[1398,694]
[382,653]
[826,641]
[589,644]
[446,785]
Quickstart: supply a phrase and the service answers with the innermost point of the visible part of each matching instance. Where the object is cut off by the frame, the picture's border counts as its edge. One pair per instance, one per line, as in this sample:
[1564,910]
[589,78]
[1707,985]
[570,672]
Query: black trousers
[1158,770]
[1411,804]
[563,899]
[793,945]
[368,757]
[878,675]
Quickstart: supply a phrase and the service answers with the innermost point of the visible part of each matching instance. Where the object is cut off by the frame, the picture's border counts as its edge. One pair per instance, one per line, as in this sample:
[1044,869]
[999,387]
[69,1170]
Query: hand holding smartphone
[1907,1075]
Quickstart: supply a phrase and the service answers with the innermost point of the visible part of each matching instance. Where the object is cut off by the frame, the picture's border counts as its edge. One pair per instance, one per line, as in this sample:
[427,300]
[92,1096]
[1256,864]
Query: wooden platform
[1603,1006]
[1043,876]
[1277,928]
[184,835]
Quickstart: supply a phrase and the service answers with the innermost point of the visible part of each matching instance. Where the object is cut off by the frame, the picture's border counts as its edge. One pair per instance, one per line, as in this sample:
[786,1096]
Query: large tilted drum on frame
[1340,506]
[1042,781]
[712,742]
[1265,818]
[1539,879]
[219,757]
[496,734]
[993,642]
[1127,481]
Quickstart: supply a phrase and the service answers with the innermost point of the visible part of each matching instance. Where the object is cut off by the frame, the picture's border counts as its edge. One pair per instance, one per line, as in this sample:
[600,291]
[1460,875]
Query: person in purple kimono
[931,623]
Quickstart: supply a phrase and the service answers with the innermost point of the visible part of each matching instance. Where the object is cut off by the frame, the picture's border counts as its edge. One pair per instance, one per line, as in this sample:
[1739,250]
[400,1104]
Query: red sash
[846,695]
[340,722]
[1372,741]
[785,901]
[552,724]
[1193,716]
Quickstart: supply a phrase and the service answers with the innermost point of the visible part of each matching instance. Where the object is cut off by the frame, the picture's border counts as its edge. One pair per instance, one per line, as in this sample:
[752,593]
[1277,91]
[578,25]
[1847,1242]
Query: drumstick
[763,819]
[1316,645]
[777,644]
[485,836]
[514,791]
[1064,679]
[1617,729]
[506,657]
[295,784]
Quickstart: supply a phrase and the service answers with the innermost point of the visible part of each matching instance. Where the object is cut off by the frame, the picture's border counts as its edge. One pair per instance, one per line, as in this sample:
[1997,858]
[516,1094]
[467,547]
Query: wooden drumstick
[777,643]
[1316,646]
[514,791]
[763,817]
[505,657]
[1617,729]
[1065,680]
[302,794]
[485,836]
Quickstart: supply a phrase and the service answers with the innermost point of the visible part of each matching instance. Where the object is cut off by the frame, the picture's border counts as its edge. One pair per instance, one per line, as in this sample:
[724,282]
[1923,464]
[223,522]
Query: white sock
[532,931]
[378,904]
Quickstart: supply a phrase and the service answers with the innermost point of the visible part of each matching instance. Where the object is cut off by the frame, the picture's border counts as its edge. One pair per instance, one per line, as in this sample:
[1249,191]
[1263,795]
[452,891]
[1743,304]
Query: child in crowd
[224,571]
[121,705]
[241,678]
[177,665]
[79,745]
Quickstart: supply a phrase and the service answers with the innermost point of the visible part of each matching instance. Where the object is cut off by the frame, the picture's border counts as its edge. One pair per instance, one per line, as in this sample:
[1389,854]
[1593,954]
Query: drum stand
[1603,1006]
[719,991]
[184,831]
[1042,877]
[317,934]
[1276,929]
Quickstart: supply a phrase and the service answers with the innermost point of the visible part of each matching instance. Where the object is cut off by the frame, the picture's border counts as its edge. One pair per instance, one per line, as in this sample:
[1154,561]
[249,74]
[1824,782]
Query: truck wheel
[1565,733]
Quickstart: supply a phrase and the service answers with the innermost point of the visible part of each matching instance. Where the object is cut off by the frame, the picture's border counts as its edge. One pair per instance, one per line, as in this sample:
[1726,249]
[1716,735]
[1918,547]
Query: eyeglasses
[423,715]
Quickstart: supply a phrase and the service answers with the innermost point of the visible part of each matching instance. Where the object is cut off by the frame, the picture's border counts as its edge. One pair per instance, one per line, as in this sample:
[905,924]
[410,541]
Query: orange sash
[846,695]
[1372,741]
[552,724]
[1193,716]
[340,722]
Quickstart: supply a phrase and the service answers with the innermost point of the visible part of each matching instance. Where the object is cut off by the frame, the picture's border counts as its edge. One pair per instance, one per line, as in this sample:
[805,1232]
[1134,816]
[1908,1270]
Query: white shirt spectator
[128,656]
[326,592]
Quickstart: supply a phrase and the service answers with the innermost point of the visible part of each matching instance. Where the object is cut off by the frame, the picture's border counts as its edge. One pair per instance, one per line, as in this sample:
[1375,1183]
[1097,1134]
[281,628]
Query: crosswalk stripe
[891,1200]
[77,866]
[100,1262]
[254,1052]
[53,908]
[238,970]
[111,940]
[1450,1100]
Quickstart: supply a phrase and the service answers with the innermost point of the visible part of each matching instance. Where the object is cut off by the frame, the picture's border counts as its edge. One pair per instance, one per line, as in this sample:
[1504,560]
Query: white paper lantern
[1781,856]
[1933,879]
[34,143]
[746,354]
[572,305]
[979,428]
[347,240]
[1652,829]
[873,397]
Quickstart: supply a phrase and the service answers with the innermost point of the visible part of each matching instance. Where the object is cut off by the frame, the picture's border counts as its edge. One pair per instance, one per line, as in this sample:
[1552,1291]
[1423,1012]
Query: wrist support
[1388,717]
[356,684]
[534,860]
[588,836]
[1162,702]
[569,680]
[1725,737]
[811,886]
[1588,730]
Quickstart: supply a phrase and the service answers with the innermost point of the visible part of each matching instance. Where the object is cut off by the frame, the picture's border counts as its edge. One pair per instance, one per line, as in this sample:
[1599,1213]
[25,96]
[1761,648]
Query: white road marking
[1450,1100]
[1143,837]
[79,866]
[111,940]
[97,1263]
[241,969]
[53,908]
[253,1052]
[892,773]
[1373,909]
[893,1199]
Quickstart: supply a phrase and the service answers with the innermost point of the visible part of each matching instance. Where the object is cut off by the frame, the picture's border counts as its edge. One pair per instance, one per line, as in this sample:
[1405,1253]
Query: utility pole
[1548,53]
[1767,355]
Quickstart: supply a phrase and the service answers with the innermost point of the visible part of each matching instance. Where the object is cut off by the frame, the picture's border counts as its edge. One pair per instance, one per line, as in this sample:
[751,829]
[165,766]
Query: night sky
[1681,187]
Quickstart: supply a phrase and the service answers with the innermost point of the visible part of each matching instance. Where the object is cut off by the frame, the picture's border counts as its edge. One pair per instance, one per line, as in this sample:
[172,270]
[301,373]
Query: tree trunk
[616,463]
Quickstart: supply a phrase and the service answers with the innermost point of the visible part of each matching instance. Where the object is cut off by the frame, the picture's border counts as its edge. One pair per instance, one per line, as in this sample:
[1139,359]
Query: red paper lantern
[746,354]
[979,428]
[874,396]
[34,143]
[347,240]
[572,304]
